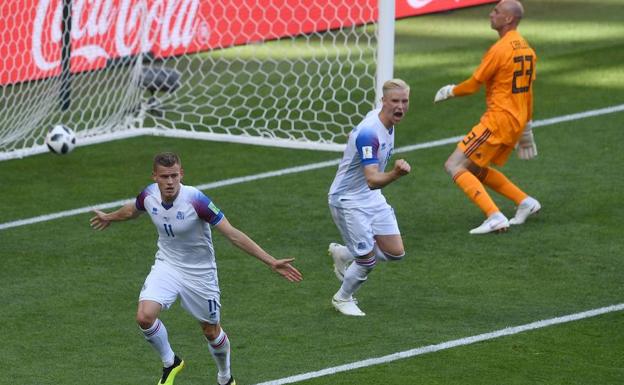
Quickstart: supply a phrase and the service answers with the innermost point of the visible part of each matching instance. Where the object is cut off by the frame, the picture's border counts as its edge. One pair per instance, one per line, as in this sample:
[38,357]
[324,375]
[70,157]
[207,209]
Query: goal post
[291,73]
[385,48]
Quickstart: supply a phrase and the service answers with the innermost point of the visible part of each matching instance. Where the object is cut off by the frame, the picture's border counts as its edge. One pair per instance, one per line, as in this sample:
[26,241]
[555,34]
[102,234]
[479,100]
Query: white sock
[220,350]
[355,276]
[157,336]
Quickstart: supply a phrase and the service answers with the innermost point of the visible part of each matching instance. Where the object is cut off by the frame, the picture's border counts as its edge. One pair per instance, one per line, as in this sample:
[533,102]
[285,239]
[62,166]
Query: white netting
[289,71]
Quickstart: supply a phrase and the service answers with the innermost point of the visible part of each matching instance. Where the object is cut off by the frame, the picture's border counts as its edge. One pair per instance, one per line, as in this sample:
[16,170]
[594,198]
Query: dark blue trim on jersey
[367,138]
[368,162]
[205,209]
[139,203]
[221,216]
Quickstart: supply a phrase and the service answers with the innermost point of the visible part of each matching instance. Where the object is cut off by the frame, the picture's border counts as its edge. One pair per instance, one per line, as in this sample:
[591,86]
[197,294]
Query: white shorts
[358,225]
[198,296]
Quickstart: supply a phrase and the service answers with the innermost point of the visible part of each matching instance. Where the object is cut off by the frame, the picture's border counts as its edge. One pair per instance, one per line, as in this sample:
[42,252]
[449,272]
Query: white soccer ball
[61,139]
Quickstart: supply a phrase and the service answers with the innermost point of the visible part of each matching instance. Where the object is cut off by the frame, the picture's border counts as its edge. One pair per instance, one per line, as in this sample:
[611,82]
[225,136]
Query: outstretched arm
[243,242]
[102,220]
[467,87]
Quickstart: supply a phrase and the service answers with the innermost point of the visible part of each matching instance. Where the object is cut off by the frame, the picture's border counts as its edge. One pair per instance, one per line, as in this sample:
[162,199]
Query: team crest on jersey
[180,216]
[154,211]
[367,152]
[383,146]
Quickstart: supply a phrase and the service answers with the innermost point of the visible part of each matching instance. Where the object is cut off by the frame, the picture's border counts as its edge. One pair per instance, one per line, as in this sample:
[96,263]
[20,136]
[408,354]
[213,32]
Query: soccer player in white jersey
[366,221]
[185,262]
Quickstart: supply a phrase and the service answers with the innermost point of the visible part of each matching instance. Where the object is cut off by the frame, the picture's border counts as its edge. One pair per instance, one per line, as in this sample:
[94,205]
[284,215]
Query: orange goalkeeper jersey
[508,71]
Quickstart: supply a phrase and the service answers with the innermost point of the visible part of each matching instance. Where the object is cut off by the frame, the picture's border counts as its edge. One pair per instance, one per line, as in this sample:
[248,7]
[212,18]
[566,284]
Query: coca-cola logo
[101,29]
[419,3]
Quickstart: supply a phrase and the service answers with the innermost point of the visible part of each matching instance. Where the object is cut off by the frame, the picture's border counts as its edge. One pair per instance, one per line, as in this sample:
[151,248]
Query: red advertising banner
[31,31]
[420,7]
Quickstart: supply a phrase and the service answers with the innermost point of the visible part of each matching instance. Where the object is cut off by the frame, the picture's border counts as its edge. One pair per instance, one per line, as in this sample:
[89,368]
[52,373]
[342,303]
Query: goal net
[295,73]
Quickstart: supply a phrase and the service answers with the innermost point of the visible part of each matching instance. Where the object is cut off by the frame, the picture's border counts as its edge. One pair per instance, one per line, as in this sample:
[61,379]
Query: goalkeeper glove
[526,145]
[444,93]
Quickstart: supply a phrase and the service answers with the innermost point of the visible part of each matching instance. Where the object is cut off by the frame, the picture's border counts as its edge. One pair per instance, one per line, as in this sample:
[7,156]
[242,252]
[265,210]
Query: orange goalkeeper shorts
[482,147]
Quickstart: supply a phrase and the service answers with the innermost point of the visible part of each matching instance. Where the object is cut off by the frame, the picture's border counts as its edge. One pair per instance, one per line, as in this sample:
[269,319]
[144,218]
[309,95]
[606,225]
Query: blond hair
[394,84]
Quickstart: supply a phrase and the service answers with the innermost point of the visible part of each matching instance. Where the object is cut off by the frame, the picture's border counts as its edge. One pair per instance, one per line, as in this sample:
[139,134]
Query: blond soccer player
[508,71]
[366,222]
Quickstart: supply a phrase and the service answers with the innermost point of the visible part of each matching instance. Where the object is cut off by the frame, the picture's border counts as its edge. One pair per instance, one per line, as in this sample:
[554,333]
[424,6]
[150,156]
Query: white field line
[446,345]
[298,169]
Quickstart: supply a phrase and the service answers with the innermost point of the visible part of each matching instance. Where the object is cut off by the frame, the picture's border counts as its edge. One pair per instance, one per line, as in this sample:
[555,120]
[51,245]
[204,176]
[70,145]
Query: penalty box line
[446,345]
[298,169]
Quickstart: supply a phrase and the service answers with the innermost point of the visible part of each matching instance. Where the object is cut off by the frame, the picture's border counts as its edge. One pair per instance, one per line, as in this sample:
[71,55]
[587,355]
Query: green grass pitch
[68,294]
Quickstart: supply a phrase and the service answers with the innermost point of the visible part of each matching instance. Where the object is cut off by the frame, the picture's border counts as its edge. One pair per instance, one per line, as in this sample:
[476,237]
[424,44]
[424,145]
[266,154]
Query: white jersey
[184,236]
[369,143]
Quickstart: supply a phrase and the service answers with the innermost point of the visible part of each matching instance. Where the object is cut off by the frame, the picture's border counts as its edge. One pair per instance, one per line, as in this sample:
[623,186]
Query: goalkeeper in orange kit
[507,70]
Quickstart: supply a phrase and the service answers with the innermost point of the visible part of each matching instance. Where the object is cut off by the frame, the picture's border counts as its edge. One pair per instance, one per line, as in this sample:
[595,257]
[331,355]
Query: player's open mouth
[398,114]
